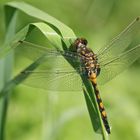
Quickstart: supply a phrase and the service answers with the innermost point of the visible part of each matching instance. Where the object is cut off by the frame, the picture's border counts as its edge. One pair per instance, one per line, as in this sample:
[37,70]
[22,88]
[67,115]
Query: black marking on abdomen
[101,108]
[92,67]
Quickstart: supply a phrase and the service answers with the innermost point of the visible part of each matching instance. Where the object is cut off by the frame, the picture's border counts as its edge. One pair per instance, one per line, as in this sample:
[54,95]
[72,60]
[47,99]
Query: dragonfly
[61,70]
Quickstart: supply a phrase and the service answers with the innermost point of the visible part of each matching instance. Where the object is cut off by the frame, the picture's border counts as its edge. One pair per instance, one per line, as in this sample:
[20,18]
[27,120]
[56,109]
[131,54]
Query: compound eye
[80,42]
[84,41]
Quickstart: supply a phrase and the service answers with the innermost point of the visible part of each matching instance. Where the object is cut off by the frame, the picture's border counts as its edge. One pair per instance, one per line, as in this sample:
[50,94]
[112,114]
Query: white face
[81,47]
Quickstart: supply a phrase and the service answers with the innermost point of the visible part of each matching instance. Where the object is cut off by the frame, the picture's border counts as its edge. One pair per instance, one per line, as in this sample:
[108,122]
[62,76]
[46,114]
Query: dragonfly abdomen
[92,67]
[101,108]
[92,78]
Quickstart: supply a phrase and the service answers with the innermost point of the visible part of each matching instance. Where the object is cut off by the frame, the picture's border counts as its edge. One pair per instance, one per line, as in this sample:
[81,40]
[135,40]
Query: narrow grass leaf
[56,33]
[6,65]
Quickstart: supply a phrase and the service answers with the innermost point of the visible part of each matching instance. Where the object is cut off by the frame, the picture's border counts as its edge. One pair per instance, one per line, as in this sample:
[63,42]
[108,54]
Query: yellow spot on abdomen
[101,105]
[104,113]
[93,75]
[98,96]
[93,78]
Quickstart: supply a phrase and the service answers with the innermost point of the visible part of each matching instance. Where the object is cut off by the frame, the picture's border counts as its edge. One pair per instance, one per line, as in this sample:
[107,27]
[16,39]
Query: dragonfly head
[79,43]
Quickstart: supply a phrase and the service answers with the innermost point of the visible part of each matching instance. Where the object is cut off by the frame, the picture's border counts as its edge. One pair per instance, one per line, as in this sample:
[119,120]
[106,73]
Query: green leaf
[93,109]
[60,28]
[6,65]
[58,35]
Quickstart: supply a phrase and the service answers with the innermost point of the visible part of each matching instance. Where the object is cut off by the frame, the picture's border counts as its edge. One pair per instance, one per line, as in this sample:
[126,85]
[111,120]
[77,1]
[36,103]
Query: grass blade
[6,65]
[93,109]
[60,28]
[57,34]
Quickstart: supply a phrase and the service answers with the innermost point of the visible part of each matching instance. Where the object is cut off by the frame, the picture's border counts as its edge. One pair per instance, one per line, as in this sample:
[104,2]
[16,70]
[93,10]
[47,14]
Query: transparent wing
[120,43]
[55,80]
[34,51]
[115,66]
[53,57]
[55,73]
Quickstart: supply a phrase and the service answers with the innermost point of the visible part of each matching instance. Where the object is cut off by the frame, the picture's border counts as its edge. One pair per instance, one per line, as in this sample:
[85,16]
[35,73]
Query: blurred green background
[35,115]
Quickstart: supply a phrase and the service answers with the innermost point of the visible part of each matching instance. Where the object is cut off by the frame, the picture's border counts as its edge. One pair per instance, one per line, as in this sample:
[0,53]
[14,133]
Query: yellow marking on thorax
[91,65]
[86,54]
[88,58]
[83,52]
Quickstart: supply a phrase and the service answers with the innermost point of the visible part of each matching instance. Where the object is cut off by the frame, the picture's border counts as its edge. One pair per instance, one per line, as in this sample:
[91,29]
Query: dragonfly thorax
[88,58]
